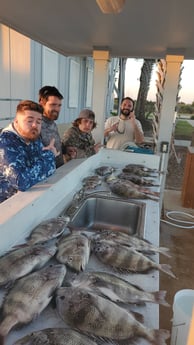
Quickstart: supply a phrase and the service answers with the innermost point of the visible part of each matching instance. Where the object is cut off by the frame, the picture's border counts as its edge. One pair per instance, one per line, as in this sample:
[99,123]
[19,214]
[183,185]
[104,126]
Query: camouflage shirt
[22,165]
[84,142]
[49,131]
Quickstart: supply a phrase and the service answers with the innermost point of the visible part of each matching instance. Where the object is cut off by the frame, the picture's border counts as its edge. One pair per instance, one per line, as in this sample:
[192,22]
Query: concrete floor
[181,244]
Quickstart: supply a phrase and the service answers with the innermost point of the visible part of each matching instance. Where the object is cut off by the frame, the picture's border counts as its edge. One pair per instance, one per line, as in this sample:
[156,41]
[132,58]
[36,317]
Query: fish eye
[62,297]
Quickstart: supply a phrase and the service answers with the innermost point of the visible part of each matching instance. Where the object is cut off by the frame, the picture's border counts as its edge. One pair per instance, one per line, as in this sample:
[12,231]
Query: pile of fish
[133,181]
[93,305]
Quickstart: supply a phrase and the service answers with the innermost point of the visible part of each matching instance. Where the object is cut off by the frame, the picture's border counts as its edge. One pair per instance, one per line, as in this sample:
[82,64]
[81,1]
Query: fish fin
[167,269]
[135,286]
[160,297]
[145,251]
[9,285]
[131,341]
[137,316]
[2,340]
[164,250]
[160,335]
[131,304]
[18,246]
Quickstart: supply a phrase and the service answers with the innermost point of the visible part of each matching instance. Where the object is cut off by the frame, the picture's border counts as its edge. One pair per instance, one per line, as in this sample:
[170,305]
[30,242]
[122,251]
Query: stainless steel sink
[110,213]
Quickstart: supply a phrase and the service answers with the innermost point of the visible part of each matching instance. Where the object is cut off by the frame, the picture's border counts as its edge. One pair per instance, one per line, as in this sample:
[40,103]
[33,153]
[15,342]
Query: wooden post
[192,139]
[188,180]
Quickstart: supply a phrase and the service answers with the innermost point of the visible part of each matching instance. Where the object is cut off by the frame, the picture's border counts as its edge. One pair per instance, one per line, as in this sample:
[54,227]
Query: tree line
[183,108]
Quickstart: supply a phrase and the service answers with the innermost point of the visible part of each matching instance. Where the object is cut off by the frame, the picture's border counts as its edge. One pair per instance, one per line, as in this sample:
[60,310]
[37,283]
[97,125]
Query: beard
[29,135]
[125,112]
[53,115]
[33,134]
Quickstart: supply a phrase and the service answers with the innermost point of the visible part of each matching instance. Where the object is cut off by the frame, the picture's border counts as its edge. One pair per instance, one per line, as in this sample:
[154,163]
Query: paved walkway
[172,202]
[184,143]
[191,122]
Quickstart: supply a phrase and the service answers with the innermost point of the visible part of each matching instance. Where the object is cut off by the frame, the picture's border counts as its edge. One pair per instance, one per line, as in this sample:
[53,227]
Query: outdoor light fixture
[111,6]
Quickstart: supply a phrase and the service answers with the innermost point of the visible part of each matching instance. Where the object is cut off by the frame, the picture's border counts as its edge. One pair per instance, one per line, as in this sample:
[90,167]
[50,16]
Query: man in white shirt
[124,128]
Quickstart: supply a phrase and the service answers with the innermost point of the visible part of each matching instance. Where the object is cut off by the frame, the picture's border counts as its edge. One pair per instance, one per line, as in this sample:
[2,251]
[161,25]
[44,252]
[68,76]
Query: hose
[168,215]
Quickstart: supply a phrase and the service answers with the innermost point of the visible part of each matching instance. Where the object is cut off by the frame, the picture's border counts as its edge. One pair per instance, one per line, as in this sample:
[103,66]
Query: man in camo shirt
[51,100]
[78,141]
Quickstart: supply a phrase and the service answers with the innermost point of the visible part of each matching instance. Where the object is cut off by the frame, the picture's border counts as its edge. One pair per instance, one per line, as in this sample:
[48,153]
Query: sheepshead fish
[19,262]
[127,259]
[57,336]
[104,170]
[95,315]
[117,289]
[139,170]
[125,189]
[74,251]
[29,297]
[139,244]
[139,180]
[91,182]
[48,229]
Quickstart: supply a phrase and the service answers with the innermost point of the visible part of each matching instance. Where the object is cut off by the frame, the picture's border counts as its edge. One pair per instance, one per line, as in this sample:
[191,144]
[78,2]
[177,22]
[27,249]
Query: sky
[133,70]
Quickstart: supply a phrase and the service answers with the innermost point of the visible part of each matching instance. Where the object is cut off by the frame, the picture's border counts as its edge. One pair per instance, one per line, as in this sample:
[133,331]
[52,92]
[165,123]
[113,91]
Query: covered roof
[147,29]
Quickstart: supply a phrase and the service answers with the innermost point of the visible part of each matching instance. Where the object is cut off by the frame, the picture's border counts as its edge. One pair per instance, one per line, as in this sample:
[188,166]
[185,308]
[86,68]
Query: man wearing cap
[78,141]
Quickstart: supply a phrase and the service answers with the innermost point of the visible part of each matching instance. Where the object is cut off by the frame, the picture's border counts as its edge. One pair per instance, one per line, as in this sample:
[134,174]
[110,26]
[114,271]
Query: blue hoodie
[23,165]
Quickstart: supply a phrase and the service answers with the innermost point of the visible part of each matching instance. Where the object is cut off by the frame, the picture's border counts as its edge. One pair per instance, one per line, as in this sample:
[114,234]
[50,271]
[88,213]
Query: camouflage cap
[87,114]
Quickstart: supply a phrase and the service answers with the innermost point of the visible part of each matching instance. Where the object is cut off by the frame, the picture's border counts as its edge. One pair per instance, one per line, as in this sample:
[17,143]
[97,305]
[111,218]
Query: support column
[168,109]
[100,88]
[169,97]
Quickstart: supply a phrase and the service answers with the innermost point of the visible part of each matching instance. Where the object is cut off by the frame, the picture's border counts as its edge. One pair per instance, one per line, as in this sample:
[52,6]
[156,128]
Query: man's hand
[113,128]
[72,152]
[97,147]
[52,147]
[132,116]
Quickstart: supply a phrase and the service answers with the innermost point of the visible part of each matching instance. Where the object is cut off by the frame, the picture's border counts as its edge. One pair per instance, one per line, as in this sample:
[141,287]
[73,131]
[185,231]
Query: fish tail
[151,198]
[164,251]
[147,191]
[159,297]
[167,269]
[2,339]
[159,336]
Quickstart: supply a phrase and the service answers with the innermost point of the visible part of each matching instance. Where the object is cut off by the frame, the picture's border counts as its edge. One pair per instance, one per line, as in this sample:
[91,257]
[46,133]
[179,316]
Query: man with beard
[51,100]
[124,128]
[24,161]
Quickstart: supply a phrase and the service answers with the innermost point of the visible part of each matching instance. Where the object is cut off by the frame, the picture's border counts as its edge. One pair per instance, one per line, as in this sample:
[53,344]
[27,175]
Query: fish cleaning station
[24,211]
[102,30]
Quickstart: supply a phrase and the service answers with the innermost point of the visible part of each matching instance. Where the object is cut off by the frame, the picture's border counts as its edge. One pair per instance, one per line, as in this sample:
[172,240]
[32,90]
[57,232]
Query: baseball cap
[87,114]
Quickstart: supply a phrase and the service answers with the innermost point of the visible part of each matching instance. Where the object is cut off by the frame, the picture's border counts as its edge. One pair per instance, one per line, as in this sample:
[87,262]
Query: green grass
[183,130]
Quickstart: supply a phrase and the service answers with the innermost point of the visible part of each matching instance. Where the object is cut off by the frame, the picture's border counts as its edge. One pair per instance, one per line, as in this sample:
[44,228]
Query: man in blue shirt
[24,161]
